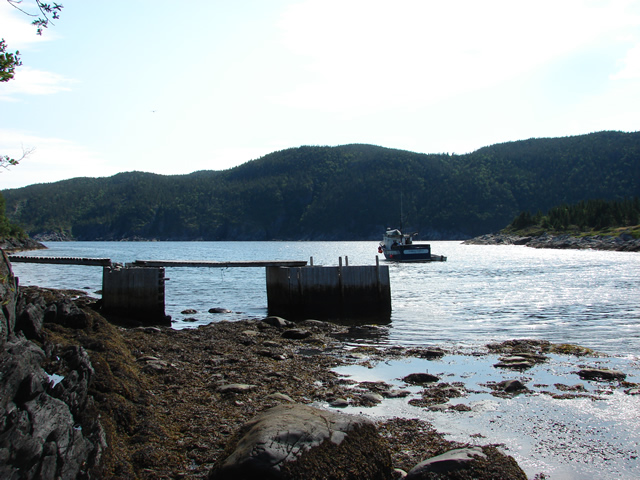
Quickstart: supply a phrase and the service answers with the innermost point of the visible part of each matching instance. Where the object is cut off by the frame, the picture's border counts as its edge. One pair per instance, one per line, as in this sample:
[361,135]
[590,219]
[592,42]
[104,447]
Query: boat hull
[412,253]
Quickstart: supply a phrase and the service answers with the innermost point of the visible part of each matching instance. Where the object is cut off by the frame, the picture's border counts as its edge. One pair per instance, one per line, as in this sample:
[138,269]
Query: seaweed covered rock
[298,441]
[477,463]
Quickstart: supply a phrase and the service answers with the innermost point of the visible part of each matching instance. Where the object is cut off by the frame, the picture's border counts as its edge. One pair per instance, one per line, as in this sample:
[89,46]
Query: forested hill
[349,192]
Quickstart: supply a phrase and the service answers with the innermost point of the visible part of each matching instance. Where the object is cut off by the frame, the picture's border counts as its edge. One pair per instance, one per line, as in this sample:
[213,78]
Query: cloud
[378,54]
[29,81]
[631,65]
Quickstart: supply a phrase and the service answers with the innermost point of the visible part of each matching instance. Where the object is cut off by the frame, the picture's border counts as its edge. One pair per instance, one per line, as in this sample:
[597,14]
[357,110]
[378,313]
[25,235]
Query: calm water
[481,294]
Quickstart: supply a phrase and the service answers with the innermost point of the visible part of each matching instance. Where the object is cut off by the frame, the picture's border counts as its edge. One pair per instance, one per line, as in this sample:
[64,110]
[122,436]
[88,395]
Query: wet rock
[219,310]
[601,374]
[451,461]
[296,334]
[297,441]
[397,393]
[428,353]
[372,398]
[420,378]
[278,322]
[479,463]
[189,311]
[339,403]
[516,363]
[511,386]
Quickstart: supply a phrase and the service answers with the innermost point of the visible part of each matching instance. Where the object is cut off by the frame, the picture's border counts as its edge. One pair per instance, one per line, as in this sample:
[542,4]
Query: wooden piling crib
[330,292]
[295,290]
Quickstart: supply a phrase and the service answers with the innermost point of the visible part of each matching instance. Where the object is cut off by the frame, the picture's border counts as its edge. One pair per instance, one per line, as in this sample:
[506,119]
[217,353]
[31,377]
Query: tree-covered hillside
[350,192]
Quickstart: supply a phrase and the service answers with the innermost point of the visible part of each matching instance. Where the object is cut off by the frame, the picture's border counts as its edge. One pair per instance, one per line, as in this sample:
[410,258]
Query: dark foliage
[589,215]
[350,192]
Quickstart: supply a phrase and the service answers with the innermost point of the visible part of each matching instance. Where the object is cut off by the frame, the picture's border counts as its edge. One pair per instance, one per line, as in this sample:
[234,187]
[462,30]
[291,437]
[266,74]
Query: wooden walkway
[92,262]
[206,263]
[106,262]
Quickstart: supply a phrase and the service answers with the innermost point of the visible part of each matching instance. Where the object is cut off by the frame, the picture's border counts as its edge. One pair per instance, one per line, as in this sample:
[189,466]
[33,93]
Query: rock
[339,403]
[30,321]
[601,374]
[9,297]
[298,441]
[296,334]
[479,463]
[69,315]
[511,386]
[519,362]
[420,378]
[235,388]
[320,325]
[278,322]
[219,310]
[189,311]
[372,397]
[448,462]
[40,435]
[281,397]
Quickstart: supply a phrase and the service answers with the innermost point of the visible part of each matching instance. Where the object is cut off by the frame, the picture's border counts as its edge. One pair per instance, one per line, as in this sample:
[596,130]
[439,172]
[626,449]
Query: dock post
[135,293]
[330,293]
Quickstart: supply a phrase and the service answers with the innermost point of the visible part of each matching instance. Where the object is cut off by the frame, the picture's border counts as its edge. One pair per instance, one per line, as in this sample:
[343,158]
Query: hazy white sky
[174,87]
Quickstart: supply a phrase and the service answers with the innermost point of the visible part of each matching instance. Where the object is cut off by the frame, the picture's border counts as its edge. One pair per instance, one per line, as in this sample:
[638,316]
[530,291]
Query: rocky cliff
[47,429]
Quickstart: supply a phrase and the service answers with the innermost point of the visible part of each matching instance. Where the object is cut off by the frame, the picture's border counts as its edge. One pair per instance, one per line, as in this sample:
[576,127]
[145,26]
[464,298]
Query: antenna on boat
[401,212]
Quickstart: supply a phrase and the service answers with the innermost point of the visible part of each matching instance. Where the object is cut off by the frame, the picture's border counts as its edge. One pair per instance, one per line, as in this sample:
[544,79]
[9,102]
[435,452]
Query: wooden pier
[294,290]
[210,264]
[89,262]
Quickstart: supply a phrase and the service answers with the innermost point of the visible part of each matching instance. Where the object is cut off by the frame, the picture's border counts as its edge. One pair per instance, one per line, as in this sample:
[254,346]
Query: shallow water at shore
[593,437]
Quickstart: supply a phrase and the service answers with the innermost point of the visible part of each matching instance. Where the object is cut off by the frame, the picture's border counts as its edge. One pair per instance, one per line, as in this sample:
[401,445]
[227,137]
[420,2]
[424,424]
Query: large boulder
[298,441]
[478,463]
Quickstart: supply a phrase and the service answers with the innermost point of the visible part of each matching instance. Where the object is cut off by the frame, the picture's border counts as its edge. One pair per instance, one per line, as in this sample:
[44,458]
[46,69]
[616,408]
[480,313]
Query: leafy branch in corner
[47,12]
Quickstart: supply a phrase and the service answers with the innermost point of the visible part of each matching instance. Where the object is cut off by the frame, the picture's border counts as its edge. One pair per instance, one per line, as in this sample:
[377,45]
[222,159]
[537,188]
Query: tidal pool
[594,434]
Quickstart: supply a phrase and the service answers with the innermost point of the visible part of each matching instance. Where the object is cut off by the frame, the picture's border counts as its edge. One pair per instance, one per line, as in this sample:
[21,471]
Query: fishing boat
[399,247]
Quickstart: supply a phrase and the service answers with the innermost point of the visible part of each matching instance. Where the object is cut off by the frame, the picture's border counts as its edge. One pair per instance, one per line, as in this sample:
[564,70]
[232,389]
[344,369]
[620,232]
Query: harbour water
[482,294]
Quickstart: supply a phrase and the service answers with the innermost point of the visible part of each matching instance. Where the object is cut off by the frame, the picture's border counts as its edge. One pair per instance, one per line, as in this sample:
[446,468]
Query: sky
[176,87]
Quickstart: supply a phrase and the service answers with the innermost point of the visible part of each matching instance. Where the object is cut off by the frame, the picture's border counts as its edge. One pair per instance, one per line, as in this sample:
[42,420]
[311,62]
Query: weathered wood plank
[95,262]
[329,292]
[212,264]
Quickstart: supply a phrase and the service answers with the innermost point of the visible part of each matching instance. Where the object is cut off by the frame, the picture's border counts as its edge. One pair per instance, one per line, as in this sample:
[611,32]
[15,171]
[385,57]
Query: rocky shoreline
[11,245]
[85,397]
[622,243]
